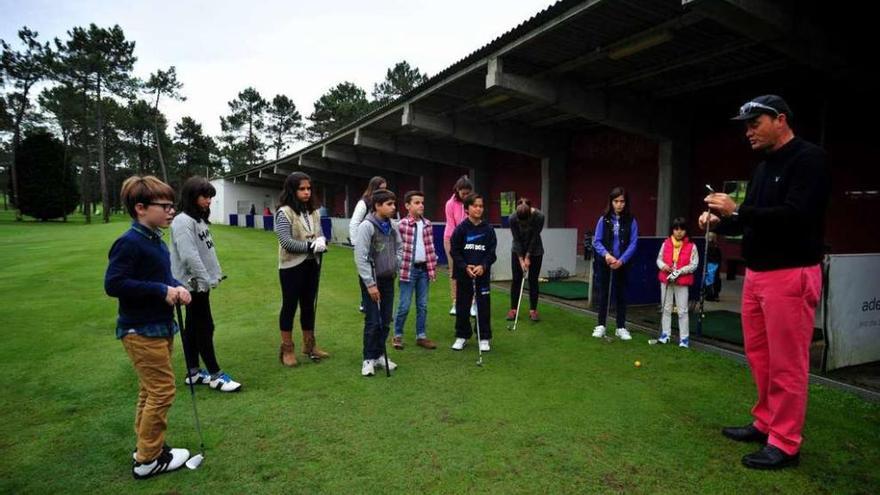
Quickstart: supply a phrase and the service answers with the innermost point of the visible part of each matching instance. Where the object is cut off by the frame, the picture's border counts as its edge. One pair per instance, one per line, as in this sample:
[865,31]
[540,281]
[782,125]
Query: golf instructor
[782,224]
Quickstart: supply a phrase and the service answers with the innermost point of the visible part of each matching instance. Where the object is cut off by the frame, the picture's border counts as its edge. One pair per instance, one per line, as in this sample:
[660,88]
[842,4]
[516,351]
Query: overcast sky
[298,48]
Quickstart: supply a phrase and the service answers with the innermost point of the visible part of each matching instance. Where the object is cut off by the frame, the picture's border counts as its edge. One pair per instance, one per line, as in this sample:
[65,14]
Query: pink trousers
[778,311]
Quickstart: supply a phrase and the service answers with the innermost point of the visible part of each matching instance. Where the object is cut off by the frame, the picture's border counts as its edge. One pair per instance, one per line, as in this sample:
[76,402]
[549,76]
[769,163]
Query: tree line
[73,114]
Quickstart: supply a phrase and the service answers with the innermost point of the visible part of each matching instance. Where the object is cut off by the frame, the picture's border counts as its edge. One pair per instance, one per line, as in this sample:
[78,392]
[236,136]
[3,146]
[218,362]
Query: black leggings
[618,294]
[534,272]
[198,338]
[299,286]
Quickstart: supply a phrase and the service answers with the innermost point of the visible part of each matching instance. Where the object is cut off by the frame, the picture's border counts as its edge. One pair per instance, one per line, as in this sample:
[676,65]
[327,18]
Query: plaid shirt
[407,228]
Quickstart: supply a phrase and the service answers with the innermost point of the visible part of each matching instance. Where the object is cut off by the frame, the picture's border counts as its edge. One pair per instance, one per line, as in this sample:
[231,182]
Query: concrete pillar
[428,185]
[480,177]
[673,183]
[553,187]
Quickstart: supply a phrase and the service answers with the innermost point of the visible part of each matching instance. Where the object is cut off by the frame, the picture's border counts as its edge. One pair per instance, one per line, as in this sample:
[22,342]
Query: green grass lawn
[552,411]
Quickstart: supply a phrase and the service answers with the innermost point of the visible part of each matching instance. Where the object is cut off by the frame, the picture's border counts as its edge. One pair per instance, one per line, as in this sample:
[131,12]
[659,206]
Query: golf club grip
[179,316]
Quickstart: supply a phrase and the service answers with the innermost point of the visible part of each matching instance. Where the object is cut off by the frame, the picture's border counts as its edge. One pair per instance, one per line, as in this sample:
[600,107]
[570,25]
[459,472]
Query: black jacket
[472,245]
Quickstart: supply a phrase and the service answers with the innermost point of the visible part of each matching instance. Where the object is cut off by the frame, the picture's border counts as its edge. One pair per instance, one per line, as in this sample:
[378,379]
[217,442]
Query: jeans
[376,331]
[418,282]
[603,274]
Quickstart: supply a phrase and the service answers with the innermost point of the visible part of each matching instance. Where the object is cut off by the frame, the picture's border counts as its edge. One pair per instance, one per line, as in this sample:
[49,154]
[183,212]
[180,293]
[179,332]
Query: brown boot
[286,354]
[310,348]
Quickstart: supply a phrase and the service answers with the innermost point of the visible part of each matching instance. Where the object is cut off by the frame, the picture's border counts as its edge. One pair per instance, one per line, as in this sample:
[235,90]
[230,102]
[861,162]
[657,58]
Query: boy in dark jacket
[473,251]
[377,254]
[139,275]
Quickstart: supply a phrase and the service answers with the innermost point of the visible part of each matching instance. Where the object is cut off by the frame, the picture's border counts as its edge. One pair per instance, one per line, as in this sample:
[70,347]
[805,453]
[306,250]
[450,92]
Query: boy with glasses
[139,275]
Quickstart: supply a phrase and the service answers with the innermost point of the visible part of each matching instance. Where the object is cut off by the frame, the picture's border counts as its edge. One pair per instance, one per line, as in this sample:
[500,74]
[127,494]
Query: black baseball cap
[771,105]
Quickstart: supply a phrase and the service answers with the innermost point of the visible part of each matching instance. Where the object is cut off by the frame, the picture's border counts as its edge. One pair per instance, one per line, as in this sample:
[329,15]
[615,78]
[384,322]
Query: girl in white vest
[300,243]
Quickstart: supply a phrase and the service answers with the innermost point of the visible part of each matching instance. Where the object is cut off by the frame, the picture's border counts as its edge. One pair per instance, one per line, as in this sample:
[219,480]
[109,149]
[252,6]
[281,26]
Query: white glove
[674,276]
[320,245]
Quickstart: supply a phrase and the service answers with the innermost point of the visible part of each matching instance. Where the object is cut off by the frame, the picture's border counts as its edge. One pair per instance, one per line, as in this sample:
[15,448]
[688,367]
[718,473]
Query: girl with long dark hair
[194,263]
[300,242]
[617,233]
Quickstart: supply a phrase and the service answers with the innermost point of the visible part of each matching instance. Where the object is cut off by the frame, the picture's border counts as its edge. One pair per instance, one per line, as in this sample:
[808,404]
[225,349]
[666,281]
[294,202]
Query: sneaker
[474,309]
[663,339]
[426,343]
[452,311]
[511,315]
[484,346]
[685,342]
[200,378]
[599,331]
[169,460]
[397,343]
[225,383]
[622,334]
[368,369]
[459,344]
[533,315]
[134,451]
[379,364]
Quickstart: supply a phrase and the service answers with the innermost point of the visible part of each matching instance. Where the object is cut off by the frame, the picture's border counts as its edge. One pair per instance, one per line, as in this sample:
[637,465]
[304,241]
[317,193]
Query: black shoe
[770,457]
[744,434]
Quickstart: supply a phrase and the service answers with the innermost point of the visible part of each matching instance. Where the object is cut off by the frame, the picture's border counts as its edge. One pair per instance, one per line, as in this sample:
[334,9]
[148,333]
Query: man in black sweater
[782,223]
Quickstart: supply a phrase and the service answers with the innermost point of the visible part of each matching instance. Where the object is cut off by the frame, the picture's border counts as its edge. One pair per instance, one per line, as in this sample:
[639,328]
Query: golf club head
[652,341]
[195,461]
[480,362]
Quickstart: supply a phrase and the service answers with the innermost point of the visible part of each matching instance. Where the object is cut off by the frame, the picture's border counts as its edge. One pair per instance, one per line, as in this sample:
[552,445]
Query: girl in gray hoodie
[194,262]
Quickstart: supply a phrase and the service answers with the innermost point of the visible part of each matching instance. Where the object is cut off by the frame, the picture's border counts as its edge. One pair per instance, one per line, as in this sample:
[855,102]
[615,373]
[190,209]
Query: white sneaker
[379,364]
[484,346]
[452,311]
[685,342]
[368,369]
[664,338]
[200,378]
[599,331]
[623,334]
[458,344]
[474,309]
[169,460]
[225,383]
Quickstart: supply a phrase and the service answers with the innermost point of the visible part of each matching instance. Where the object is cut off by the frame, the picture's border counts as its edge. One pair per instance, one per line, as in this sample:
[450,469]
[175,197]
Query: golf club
[662,309]
[705,256]
[608,303]
[519,303]
[195,461]
[319,257]
[477,321]
[381,326]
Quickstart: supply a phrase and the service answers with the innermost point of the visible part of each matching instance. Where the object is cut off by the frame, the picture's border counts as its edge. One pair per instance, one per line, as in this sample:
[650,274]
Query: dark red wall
[512,172]
[600,161]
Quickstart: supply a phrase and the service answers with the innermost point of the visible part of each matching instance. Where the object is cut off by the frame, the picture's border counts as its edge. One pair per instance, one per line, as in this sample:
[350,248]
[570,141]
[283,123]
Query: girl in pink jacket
[455,214]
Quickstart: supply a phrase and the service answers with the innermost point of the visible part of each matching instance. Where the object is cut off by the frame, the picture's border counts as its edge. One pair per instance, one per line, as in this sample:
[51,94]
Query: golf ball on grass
[638,364]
